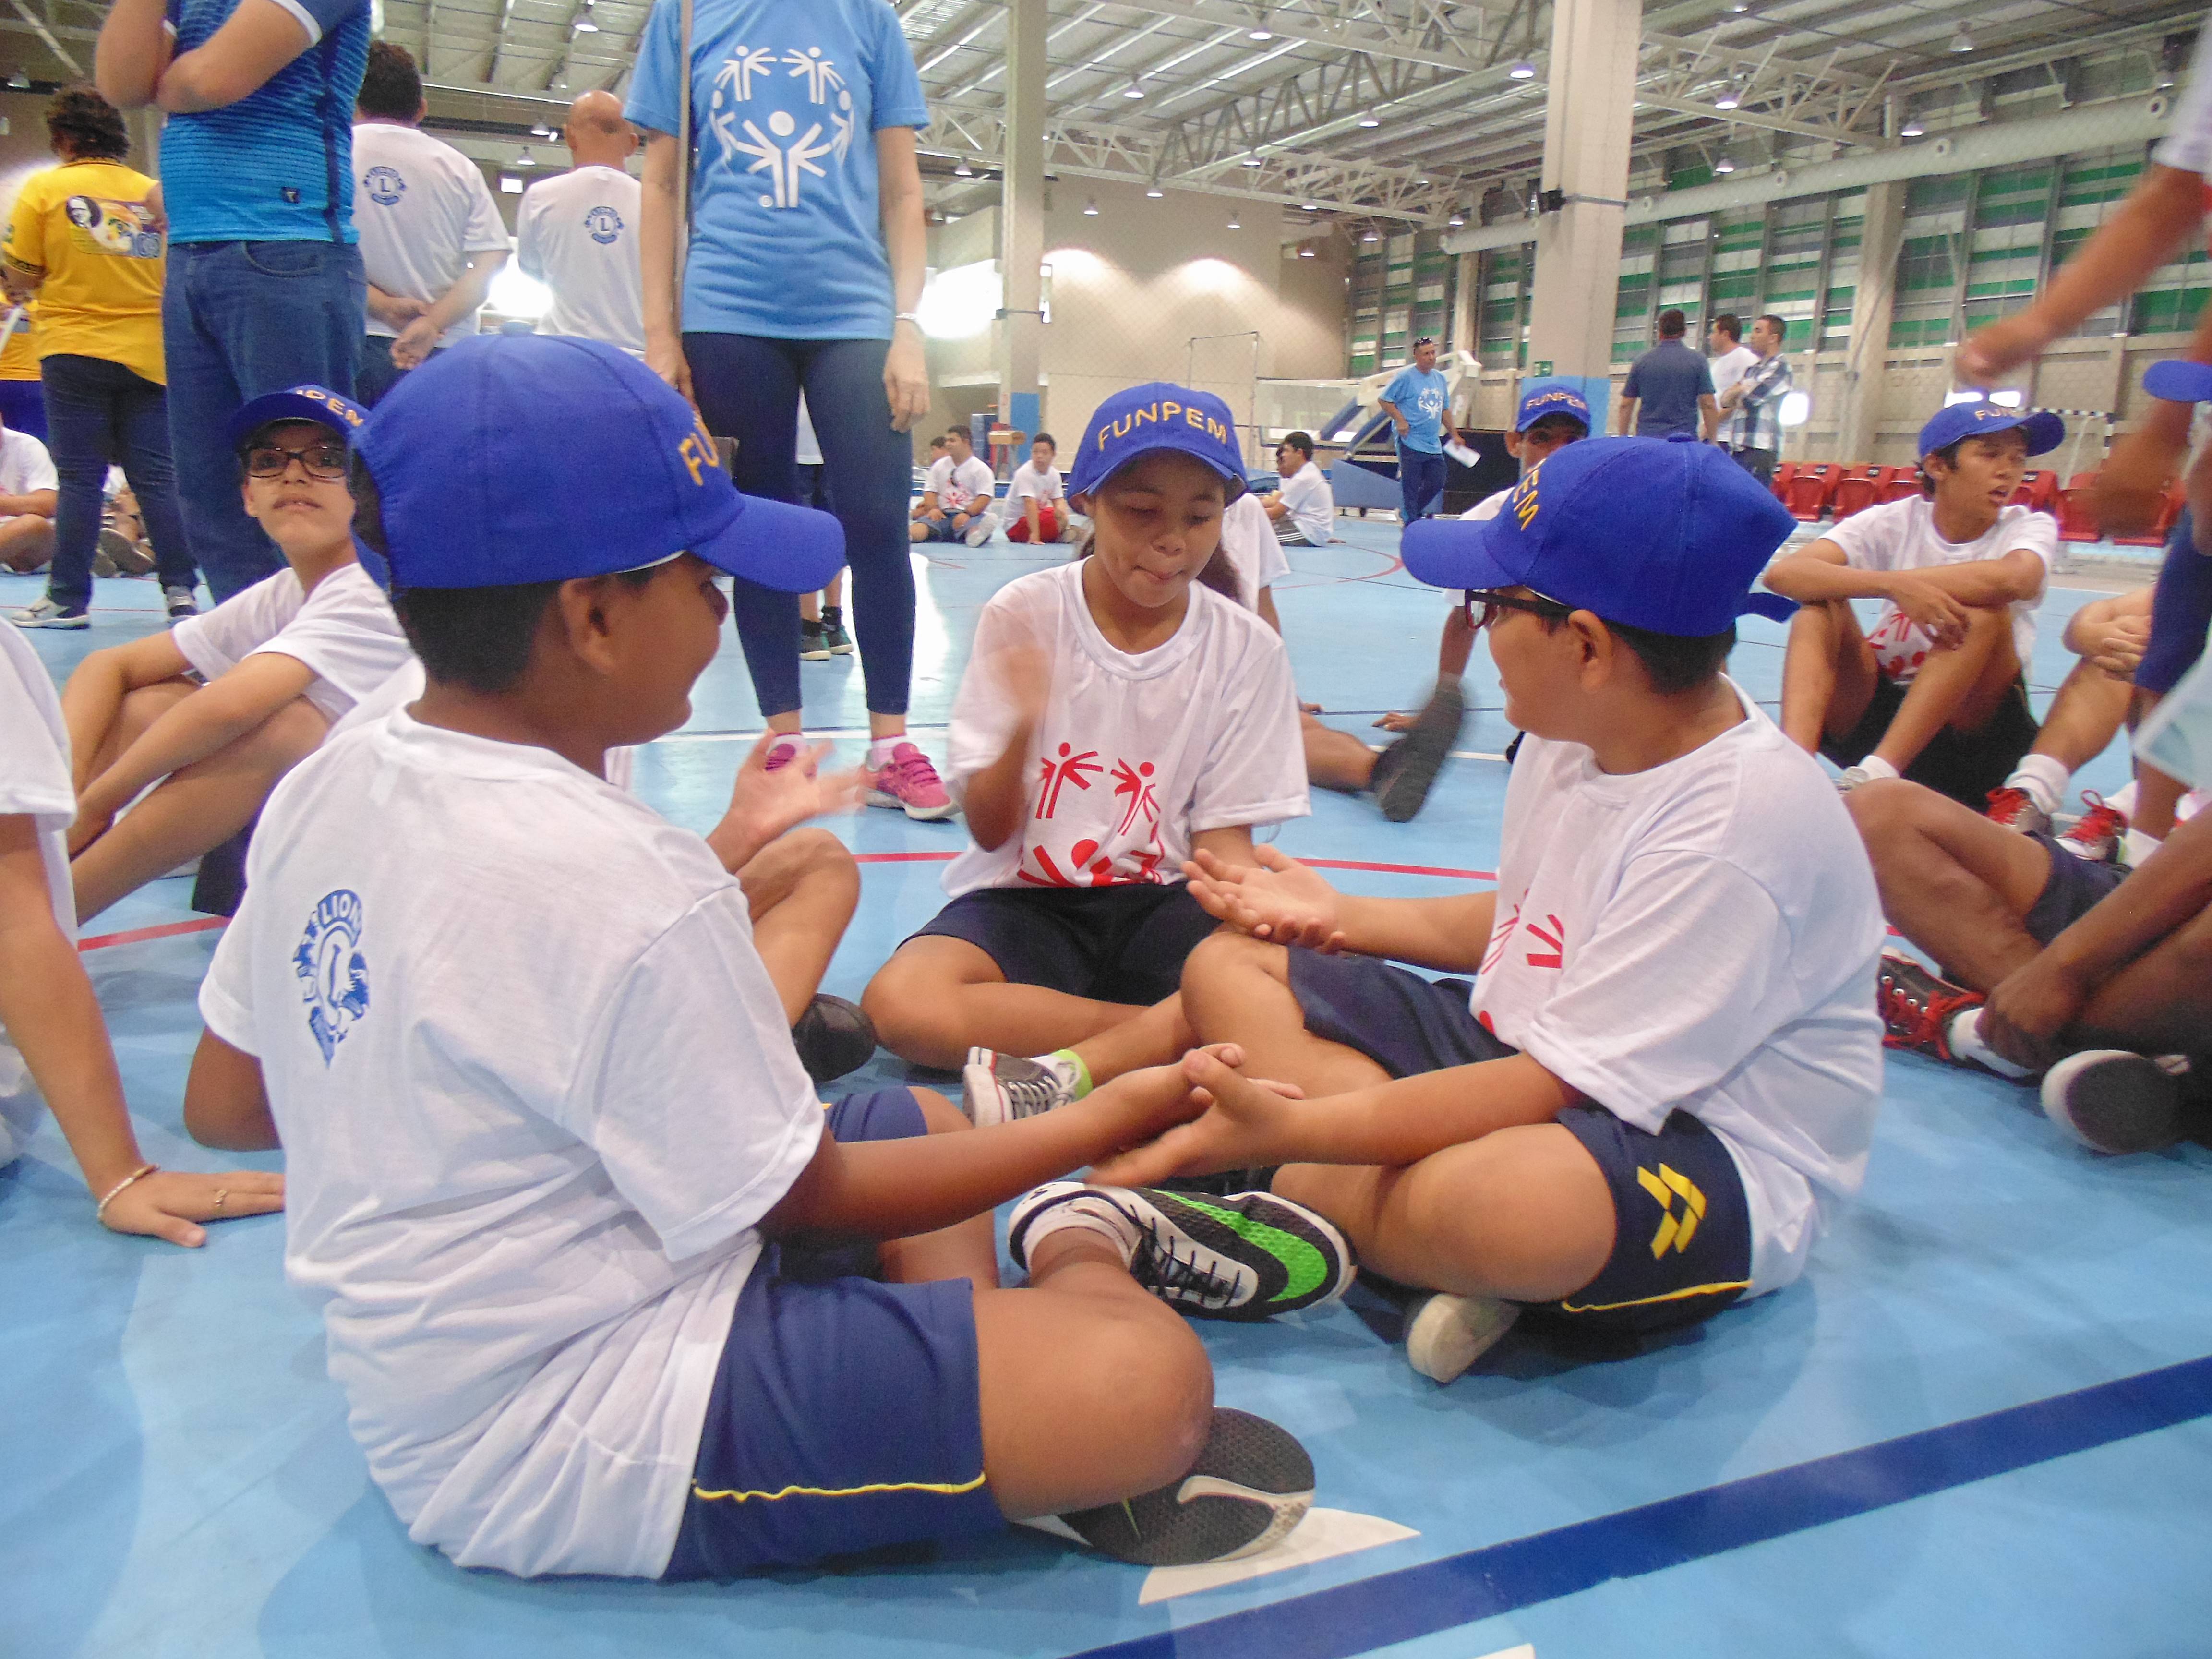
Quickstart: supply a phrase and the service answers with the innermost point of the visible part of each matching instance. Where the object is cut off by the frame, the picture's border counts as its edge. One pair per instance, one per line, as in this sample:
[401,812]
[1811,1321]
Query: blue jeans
[1420,481]
[238,320]
[748,388]
[96,410]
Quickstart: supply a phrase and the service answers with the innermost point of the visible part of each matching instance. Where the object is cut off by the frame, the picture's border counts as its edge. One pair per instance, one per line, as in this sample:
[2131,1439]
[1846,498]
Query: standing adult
[1752,431]
[1418,400]
[86,238]
[431,240]
[578,233]
[22,397]
[805,263]
[1669,388]
[264,288]
[1726,356]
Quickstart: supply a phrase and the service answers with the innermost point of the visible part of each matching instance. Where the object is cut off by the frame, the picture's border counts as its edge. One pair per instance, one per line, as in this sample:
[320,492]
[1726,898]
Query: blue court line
[1459,1589]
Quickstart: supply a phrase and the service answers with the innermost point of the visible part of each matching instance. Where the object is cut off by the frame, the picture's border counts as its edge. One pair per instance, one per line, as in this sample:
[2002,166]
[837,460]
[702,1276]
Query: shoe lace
[1910,1023]
[2008,805]
[2102,822]
[1184,1276]
[910,767]
[1028,1096]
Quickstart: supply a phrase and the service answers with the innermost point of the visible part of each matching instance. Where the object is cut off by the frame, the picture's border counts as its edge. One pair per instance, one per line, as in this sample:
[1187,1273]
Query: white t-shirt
[1247,537]
[959,487]
[1701,936]
[1901,536]
[1310,503]
[344,632]
[1490,506]
[2188,143]
[405,685]
[1027,481]
[1135,755]
[36,782]
[527,1141]
[1730,367]
[577,233]
[25,466]
[422,208]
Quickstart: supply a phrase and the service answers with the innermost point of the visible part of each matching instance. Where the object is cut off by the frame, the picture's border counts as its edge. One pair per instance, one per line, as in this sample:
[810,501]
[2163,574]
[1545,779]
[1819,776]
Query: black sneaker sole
[1250,1486]
[2115,1102]
[833,1038]
[1421,753]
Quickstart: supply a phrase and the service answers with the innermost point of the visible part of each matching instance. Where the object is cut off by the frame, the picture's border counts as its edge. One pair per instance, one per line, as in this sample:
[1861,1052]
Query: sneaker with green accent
[1247,1256]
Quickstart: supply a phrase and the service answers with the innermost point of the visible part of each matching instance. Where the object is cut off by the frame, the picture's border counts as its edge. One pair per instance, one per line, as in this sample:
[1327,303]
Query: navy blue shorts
[2071,891]
[1681,1247]
[1125,944]
[942,530]
[1964,765]
[847,1413]
[2181,612]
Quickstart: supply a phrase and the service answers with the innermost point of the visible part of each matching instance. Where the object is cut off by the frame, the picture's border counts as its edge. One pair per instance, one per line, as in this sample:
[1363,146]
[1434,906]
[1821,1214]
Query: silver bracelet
[914,317]
[99,1214]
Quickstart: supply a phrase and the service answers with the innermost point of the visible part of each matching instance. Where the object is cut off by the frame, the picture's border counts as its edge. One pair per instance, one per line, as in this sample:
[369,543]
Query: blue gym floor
[1981,1424]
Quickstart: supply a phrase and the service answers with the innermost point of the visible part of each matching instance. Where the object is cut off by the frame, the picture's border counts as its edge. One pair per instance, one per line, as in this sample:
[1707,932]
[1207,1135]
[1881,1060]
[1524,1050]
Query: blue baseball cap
[318,404]
[2176,381]
[1542,398]
[1666,536]
[511,459]
[1977,417]
[1157,415]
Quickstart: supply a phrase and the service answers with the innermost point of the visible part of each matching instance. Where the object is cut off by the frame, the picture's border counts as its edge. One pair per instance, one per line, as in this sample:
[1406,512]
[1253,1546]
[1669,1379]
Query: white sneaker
[1852,777]
[999,1088]
[980,527]
[1447,1334]
[45,613]
[2114,1101]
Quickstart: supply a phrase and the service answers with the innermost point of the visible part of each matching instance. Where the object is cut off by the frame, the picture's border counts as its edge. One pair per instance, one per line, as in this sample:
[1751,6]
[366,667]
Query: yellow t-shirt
[86,225]
[19,358]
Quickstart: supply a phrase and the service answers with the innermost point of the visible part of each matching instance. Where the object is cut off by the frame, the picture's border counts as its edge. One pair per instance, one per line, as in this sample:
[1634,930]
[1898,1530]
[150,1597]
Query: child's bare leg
[1157,1036]
[937,997]
[1959,688]
[1954,884]
[1237,989]
[834,594]
[2085,716]
[1829,674]
[138,710]
[809,607]
[27,543]
[967,1249]
[1335,759]
[200,806]
[2158,798]
[1523,1213]
[802,888]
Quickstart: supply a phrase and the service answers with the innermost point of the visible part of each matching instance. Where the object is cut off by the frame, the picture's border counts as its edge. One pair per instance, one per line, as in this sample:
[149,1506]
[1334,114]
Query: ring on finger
[222,1196]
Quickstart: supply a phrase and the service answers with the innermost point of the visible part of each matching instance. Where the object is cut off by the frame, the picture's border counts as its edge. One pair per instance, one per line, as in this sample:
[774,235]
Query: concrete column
[1587,119]
[1021,216]
[1858,422]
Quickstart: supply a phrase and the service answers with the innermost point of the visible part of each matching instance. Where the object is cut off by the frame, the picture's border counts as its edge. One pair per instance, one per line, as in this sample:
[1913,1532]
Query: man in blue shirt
[1419,403]
[265,285]
[1669,388]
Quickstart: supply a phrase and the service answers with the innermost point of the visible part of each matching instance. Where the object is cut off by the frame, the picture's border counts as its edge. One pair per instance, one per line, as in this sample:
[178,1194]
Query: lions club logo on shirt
[334,974]
[385,185]
[603,223]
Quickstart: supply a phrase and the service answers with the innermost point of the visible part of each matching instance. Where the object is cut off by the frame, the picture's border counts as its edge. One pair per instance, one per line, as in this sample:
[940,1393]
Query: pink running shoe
[779,753]
[909,784]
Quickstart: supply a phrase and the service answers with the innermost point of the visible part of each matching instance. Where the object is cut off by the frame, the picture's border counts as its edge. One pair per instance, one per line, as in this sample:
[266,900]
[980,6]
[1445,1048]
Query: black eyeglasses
[1485,607]
[325,461]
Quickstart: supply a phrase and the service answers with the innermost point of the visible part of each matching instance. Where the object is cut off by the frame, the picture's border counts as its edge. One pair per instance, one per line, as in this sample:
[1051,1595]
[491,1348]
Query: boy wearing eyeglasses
[218,709]
[1660,1071]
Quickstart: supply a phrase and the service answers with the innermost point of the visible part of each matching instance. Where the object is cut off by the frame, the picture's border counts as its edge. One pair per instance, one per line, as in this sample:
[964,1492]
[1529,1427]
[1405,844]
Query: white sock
[2044,778]
[788,740]
[1966,1039]
[879,752]
[1875,767]
[2123,800]
[1093,1214]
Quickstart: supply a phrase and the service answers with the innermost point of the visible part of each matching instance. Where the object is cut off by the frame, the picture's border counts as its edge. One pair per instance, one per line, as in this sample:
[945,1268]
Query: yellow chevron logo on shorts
[1675,1230]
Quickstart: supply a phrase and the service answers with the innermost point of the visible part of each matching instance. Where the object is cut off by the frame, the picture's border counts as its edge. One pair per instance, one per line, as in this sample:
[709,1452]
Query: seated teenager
[1040,497]
[2092,703]
[54,1051]
[2096,978]
[1302,509]
[221,707]
[477,994]
[1117,715]
[1935,692]
[1551,416]
[30,493]
[958,498]
[1666,1070]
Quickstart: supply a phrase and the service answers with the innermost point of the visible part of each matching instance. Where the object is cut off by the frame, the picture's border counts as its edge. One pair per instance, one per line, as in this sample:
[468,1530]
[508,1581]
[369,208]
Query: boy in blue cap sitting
[1934,693]
[1666,1068]
[583,1232]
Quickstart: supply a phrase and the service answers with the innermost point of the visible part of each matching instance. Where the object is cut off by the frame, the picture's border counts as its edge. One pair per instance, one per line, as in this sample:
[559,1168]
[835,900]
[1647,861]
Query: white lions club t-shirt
[1701,936]
[35,783]
[1134,755]
[527,1138]
[344,632]
[421,208]
[1901,536]
[578,235]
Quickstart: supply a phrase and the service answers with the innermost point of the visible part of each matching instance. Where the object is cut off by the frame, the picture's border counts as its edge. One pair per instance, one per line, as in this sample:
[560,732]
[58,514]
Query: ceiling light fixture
[1729,98]
[1091,208]
[1235,222]
[525,160]
[1739,6]
[1962,41]
[1310,207]
[1133,90]
[1912,128]
[1253,161]
[1259,31]
[1457,220]
[1304,252]
[586,25]
[1522,70]
[1154,191]
[1369,235]
[1369,121]
[1725,164]
[962,170]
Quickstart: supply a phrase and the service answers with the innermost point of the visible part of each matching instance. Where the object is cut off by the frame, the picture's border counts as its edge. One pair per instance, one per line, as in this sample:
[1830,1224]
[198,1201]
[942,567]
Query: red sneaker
[909,784]
[1916,1007]
[2015,809]
[2099,834]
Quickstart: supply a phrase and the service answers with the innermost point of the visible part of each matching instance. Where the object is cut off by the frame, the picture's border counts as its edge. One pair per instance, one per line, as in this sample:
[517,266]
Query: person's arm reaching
[39,501]
[906,243]
[133,50]
[1935,599]
[1279,899]
[94,694]
[255,41]
[765,804]
[656,254]
[1627,426]
[420,337]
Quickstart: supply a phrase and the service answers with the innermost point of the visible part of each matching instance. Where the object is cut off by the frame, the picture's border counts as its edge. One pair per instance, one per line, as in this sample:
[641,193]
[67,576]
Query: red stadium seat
[1811,491]
[2155,536]
[1859,488]
[1782,474]
[2075,521]
[2037,490]
[1904,484]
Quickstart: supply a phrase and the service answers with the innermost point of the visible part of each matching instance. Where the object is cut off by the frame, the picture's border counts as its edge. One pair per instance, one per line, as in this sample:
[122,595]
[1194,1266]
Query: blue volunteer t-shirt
[1420,398]
[1667,380]
[787,238]
[277,165]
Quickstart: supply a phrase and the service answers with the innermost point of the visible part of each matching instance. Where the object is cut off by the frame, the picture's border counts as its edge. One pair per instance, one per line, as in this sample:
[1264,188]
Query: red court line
[1318,864]
[165,930]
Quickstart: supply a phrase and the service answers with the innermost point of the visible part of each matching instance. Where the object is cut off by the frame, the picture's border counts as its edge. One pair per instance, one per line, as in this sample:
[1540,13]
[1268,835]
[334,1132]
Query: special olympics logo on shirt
[334,974]
[385,185]
[603,223]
